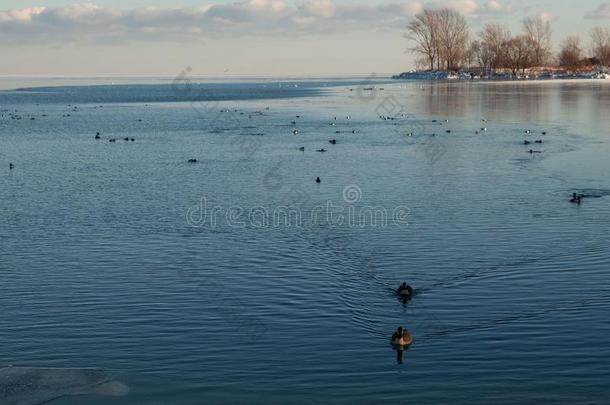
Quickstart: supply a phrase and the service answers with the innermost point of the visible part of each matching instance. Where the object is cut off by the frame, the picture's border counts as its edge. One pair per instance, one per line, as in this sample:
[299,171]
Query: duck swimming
[401,337]
[576,198]
[333,141]
[302,149]
[321,150]
[192,160]
[405,290]
[318,180]
[11,166]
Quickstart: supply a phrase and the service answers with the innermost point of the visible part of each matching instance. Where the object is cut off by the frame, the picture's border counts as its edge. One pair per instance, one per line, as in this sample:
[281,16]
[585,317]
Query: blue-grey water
[108,260]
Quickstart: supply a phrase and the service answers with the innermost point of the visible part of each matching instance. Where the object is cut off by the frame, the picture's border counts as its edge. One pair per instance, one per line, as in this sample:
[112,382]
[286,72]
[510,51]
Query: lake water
[187,282]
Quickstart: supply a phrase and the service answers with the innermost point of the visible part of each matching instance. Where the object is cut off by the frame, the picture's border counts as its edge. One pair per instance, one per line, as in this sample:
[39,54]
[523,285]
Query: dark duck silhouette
[405,290]
[576,198]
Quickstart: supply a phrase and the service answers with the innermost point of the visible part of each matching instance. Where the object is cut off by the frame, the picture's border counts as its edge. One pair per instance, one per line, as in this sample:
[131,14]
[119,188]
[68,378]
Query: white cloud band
[89,22]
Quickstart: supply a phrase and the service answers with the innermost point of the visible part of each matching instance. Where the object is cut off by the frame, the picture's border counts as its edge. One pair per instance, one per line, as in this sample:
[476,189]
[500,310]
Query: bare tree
[493,39]
[570,54]
[538,31]
[422,30]
[473,55]
[600,45]
[441,37]
[454,34]
[519,54]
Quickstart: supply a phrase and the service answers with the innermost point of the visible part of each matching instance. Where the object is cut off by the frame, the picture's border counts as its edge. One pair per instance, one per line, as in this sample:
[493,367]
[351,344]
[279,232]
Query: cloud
[20,16]
[90,22]
[600,13]
[546,16]
[319,8]
[496,7]
[463,6]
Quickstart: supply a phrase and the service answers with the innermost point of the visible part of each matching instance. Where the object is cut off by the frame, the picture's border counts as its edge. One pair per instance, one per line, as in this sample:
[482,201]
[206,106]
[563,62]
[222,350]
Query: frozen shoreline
[500,78]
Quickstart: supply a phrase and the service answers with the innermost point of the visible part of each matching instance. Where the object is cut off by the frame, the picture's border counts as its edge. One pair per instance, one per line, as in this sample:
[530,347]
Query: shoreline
[467,76]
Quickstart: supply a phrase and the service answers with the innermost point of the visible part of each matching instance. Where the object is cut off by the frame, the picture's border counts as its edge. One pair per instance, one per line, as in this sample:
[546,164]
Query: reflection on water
[99,266]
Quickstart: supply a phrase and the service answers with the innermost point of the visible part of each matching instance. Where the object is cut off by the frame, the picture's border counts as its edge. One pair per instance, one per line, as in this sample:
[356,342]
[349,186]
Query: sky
[245,37]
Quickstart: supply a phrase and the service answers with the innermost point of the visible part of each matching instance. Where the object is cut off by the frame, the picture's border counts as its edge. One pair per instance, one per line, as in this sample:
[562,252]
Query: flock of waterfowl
[331,141]
[112,140]
[15,115]
[401,338]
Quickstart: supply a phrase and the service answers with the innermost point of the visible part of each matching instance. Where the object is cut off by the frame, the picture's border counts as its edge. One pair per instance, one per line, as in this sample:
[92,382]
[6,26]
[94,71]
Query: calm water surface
[105,260]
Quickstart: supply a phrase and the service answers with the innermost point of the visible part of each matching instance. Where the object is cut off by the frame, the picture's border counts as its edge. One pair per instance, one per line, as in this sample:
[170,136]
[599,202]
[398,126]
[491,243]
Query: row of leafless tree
[573,56]
[442,40]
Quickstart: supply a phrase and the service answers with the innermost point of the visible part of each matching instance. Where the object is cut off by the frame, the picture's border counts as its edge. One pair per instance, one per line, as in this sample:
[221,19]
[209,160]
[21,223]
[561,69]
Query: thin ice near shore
[34,386]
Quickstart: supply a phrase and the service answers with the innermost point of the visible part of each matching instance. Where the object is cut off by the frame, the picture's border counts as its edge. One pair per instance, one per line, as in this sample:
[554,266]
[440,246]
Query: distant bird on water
[576,198]
[11,166]
[318,180]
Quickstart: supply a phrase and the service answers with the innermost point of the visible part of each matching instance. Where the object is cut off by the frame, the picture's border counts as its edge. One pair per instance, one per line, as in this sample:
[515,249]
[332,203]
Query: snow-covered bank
[468,75]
